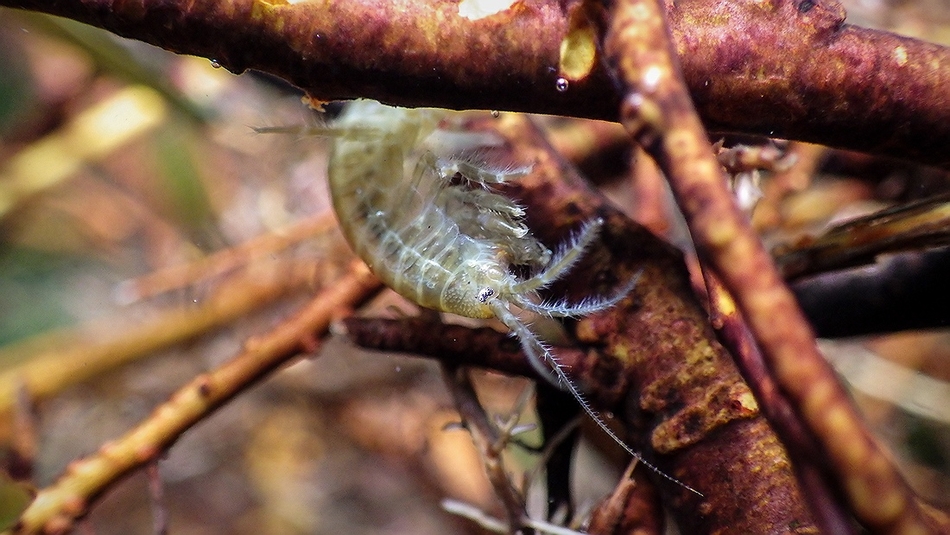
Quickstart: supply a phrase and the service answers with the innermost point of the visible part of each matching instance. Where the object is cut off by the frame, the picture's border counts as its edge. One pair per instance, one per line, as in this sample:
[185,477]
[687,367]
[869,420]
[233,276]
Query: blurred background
[146,231]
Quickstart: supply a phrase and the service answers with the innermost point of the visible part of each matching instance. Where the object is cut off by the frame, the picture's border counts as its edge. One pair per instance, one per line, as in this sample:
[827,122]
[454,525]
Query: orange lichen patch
[261,9]
[721,404]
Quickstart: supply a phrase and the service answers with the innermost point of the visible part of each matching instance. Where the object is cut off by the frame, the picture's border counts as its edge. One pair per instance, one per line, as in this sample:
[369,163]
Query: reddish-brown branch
[654,361]
[832,83]
[737,64]
[802,447]
[661,367]
[422,335]
[658,113]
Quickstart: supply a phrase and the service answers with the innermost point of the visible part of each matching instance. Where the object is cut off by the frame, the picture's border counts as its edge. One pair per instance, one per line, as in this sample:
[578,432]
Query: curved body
[424,236]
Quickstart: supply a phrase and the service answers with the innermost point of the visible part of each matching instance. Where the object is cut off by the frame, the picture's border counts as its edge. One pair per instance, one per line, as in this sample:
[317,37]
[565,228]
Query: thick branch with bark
[832,83]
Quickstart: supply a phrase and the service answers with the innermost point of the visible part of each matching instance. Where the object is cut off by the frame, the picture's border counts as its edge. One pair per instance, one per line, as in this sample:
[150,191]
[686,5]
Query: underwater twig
[633,507]
[221,262]
[654,361]
[56,507]
[489,441]
[457,345]
[920,225]
[802,447]
[907,291]
[806,159]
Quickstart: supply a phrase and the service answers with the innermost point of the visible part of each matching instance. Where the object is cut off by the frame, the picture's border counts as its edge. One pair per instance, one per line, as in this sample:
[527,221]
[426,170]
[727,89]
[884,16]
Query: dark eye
[484,294]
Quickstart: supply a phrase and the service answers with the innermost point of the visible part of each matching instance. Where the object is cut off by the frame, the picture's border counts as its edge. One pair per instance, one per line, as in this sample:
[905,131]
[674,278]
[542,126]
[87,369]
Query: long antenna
[535,351]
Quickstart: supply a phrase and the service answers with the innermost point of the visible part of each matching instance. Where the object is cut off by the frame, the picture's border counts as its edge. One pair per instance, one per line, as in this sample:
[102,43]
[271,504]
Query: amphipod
[419,209]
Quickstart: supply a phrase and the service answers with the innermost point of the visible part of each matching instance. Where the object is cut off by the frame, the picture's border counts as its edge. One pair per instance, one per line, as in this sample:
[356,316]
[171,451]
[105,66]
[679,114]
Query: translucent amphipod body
[429,226]
[442,244]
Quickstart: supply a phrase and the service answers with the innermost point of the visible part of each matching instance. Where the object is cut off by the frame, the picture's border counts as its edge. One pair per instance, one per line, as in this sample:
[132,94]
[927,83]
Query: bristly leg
[563,261]
[588,305]
[475,173]
[482,213]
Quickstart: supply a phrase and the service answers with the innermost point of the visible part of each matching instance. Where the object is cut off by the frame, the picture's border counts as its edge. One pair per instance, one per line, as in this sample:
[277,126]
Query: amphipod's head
[473,289]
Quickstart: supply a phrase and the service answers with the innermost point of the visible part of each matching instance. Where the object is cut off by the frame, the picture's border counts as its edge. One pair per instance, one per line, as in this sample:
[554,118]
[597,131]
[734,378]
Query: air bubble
[495,113]
[215,64]
[562,84]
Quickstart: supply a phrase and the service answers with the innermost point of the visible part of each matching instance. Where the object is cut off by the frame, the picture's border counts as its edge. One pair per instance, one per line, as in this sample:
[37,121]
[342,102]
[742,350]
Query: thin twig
[179,276]
[801,444]
[920,224]
[490,443]
[806,158]
[632,508]
[57,507]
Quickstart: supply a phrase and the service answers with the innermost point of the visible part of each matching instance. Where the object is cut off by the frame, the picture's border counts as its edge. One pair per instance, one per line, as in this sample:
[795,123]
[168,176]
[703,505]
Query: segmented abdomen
[387,202]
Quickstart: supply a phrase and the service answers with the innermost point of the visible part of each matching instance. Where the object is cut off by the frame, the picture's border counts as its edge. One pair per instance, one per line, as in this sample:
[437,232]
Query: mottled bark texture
[425,335]
[784,68]
[653,361]
[804,451]
[657,111]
